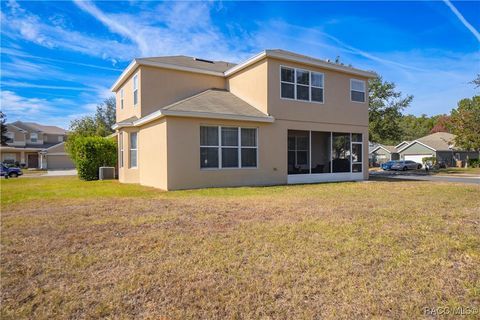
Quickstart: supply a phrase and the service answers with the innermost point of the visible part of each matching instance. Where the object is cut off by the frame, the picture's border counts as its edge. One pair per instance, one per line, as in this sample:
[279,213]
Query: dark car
[405,165]
[11,172]
[388,165]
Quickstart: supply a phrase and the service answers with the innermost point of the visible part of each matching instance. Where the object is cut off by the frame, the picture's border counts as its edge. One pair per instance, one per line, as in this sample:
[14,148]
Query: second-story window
[300,84]
[357,90]
[121,99]
[10,136]
[33,137]
[135,90]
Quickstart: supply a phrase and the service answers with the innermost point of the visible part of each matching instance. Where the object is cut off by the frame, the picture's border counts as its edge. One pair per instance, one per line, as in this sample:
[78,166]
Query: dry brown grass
[344,250]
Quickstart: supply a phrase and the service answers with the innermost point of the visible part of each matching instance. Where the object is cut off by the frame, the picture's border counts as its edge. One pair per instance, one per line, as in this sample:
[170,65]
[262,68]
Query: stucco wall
[129,110]
[152,150]
[125,173]
[184,171]
[337,107]
[161,87]
[251,85]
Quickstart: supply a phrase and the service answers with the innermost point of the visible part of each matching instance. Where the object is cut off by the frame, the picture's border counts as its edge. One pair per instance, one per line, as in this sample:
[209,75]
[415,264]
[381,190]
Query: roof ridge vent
[203,60]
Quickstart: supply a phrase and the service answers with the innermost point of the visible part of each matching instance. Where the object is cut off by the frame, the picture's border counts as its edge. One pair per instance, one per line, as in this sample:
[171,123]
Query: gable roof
[33,126]
[211,103]
[389,149]
[402,143]
[439,141]
[191,62]
[225,69]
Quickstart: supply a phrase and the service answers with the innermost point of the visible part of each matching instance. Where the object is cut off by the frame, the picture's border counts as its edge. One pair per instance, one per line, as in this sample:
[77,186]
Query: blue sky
[59,58]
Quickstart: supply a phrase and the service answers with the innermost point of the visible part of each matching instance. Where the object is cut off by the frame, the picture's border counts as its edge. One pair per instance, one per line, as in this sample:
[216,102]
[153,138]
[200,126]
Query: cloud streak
[462,19]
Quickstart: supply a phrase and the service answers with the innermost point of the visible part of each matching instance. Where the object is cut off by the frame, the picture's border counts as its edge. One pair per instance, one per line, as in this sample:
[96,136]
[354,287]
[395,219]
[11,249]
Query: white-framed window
[357,90]
[301,84]
[60,138]
[133,149]
[33,137]
[120,148]
[228,147]
[135,90]
[122,92]
[10,136]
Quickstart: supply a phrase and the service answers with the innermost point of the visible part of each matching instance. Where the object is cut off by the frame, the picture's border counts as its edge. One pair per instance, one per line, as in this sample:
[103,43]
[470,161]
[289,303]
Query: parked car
[388,165]
[11,172]
[405,165]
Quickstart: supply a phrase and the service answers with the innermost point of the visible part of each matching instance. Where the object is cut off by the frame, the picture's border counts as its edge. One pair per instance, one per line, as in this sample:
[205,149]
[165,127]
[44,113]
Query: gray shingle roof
[33,126]
[438,140]
[216,101]
[191,62]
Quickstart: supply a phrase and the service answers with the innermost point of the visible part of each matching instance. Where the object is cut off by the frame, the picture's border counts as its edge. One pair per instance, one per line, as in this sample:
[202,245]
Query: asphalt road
[424,177]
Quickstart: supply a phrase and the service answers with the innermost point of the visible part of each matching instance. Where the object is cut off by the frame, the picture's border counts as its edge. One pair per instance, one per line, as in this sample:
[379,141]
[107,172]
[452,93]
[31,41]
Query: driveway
[56,173]
[415,175]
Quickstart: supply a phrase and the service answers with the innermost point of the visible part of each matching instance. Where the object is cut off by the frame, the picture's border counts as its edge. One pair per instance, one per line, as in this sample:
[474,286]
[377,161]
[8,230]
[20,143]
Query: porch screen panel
[341,152]
[298,152]
[320,152]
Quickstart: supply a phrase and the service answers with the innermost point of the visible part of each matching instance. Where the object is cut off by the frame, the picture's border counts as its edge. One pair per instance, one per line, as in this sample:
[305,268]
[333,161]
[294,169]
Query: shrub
[474,163]
[431,160]
[91,153]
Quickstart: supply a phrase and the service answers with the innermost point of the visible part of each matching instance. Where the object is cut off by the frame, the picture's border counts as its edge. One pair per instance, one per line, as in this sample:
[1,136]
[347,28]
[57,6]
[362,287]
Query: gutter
[188,114]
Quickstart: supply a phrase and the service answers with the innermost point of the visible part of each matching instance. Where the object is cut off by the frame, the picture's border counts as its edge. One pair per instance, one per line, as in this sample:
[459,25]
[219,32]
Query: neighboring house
[383,153]
[440,145]
[33,145]
[277,118]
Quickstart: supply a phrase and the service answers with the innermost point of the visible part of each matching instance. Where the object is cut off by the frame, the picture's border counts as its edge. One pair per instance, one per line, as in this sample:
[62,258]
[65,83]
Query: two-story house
[277,118]
[33,145]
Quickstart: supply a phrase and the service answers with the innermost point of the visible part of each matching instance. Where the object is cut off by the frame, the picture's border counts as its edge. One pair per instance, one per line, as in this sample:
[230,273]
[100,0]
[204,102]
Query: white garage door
[417,157]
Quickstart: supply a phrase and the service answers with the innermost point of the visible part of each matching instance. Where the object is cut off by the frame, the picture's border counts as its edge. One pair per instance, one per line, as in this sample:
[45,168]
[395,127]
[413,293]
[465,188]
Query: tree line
[389,125]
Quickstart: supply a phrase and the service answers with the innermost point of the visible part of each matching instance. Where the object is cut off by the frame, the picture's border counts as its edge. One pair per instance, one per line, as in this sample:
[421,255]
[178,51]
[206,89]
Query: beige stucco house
[34,145]
[276,118]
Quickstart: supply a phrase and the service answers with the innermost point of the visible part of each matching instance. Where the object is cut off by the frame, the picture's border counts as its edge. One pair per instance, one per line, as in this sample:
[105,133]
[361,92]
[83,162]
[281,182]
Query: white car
[405,165]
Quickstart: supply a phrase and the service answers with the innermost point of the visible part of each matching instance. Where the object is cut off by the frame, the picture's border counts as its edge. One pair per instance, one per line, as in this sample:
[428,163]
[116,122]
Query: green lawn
[74,249]
[453,171]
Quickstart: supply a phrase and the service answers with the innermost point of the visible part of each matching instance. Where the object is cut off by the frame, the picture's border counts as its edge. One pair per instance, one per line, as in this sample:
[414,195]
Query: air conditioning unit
[106,173]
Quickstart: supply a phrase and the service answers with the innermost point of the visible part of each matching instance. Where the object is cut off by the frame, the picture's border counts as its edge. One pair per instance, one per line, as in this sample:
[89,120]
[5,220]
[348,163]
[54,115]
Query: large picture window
[302,85]
[357,90]
[228,147]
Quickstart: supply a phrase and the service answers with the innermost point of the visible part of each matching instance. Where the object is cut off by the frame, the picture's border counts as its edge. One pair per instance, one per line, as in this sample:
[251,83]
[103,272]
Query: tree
[3,120]
[476,81]
[466,124]
[443,123]
[385,111]
[105,117]
[91,153]
[98,125]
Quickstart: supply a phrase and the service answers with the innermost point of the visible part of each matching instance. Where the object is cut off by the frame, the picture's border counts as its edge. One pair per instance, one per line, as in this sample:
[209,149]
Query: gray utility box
[106,173]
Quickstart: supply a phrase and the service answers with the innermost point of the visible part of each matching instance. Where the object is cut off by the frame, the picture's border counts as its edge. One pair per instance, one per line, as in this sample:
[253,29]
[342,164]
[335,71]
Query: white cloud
[462,19]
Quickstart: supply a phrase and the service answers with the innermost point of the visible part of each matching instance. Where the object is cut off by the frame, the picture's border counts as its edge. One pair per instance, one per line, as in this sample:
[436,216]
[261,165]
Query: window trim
[11,136]
[121,149]
[130,153]
[36,137]
[135,89]
[60,139]
[310,86]
[122,93]
[238,147]
[364,90]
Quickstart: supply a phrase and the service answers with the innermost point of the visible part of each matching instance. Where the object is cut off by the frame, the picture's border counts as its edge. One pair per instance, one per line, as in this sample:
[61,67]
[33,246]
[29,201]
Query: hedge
[91,153]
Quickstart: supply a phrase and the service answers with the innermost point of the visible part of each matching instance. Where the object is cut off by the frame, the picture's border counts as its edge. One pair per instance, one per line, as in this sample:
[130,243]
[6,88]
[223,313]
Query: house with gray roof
[34,145]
